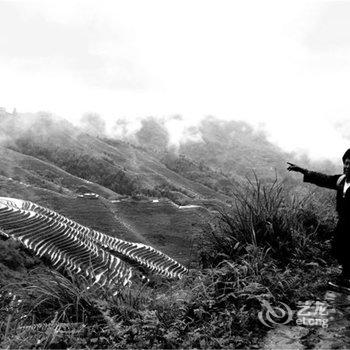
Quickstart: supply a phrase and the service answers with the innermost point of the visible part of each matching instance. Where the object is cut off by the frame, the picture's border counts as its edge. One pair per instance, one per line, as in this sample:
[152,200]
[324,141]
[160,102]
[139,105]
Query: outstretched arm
[296,168]
[319,179]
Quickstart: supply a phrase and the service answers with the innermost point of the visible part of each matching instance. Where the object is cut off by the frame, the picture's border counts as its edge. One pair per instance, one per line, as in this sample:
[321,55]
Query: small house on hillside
[84,192]
[89,195]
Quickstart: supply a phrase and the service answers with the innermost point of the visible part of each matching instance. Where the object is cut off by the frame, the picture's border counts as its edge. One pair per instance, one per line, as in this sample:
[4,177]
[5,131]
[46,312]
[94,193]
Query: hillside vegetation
[118,166]
[243,261]
[249,238]
[219,154]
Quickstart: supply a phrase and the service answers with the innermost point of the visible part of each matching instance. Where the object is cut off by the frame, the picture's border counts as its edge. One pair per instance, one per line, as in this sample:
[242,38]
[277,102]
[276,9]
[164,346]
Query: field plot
[163,225]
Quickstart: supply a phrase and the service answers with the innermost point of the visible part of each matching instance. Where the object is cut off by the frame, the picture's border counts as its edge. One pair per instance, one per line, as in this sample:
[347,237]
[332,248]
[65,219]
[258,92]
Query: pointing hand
[296,168]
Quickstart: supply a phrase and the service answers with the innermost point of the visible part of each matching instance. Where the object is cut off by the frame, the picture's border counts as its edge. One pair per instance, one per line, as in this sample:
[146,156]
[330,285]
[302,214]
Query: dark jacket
[341,239]
[333,182]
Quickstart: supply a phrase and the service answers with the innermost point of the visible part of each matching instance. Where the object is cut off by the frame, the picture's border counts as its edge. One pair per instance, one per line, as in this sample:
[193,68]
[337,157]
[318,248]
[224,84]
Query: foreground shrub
[264,215]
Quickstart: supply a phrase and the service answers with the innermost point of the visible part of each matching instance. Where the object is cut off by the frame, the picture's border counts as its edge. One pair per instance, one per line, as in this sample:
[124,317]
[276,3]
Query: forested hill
[149,165]
[208,162]
[233,148]
[119,166]
[219,154]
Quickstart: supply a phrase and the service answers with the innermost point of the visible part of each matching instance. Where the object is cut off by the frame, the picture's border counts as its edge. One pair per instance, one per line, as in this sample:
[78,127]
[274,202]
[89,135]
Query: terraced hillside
[105,260]
[162,225]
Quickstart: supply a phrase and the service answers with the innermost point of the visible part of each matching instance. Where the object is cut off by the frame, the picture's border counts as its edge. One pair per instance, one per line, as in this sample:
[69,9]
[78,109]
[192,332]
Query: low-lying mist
[223,145]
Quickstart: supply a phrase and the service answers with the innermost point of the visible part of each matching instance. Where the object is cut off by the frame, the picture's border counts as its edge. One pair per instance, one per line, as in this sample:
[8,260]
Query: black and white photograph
[174,174]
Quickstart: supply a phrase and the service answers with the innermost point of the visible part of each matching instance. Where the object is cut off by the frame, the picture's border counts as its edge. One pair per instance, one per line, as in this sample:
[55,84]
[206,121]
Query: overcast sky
[283,65]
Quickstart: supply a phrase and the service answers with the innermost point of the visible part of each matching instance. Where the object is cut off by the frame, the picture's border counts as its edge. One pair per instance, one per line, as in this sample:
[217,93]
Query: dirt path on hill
[335,336]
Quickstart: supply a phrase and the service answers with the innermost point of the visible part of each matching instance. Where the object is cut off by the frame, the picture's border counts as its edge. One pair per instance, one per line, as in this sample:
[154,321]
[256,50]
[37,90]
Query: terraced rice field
[83,251]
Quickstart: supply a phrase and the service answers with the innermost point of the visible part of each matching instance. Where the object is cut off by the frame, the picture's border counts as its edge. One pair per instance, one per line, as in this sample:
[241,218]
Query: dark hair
[346,155]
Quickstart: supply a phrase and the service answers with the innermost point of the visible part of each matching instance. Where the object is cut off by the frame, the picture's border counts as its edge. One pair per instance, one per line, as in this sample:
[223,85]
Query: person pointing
[341,184]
